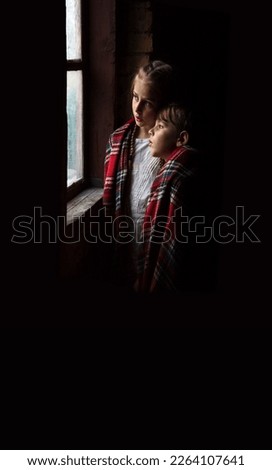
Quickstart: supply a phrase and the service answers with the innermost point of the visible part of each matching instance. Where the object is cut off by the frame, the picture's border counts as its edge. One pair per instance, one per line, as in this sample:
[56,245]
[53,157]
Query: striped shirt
[144,170]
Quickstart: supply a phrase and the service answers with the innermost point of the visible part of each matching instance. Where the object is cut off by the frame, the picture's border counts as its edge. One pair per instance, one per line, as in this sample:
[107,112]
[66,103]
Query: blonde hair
[160,76]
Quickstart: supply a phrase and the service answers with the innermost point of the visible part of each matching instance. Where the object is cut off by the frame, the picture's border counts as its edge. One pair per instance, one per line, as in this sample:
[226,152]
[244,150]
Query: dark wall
[100,82]
[133,47]
[223,50]
[35,146]
[36,74]
[195,42]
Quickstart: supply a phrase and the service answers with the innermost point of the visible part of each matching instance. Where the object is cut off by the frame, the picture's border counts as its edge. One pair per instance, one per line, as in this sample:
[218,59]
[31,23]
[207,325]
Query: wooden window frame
[98,78]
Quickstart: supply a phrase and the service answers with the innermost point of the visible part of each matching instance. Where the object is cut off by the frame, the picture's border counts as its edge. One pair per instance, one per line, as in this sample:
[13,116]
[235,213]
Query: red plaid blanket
[116,169]
[162,264]
[163,257]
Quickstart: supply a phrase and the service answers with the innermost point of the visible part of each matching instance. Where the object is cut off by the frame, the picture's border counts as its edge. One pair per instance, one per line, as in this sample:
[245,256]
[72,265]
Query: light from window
[74,100]
[73,30]
[74,118]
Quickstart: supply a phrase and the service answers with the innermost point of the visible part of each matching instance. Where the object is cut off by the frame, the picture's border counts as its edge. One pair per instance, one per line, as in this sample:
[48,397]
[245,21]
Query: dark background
[33,142]
[32,99]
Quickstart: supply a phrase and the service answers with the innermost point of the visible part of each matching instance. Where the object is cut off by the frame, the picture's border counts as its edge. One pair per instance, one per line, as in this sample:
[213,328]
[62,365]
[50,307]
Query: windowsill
[78,206]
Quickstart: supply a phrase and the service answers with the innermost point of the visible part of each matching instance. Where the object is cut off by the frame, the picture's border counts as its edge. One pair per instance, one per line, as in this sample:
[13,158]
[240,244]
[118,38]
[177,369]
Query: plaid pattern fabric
[162,254]
[116,169]
[116,201]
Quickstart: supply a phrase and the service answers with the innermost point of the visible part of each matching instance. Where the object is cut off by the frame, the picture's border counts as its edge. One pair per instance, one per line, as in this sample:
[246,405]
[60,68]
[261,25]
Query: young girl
[167,261]
[129,168]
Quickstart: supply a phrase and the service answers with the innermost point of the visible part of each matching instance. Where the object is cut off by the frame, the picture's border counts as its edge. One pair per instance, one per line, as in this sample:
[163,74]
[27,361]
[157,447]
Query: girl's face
[163,139]
[143,106]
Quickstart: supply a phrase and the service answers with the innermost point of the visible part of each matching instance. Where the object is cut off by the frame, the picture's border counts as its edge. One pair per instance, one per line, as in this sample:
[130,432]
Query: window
[90,107]
[74,94]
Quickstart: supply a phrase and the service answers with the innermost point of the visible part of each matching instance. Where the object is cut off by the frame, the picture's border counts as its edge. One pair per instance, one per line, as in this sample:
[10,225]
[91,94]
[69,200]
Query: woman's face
[144,106]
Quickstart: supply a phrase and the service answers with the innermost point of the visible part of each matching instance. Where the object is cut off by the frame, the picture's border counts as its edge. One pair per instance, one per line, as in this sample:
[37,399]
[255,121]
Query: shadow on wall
[195,42]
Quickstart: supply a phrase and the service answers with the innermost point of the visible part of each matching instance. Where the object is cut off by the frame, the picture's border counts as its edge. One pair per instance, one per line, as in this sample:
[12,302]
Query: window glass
[75,125]
[73,30]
